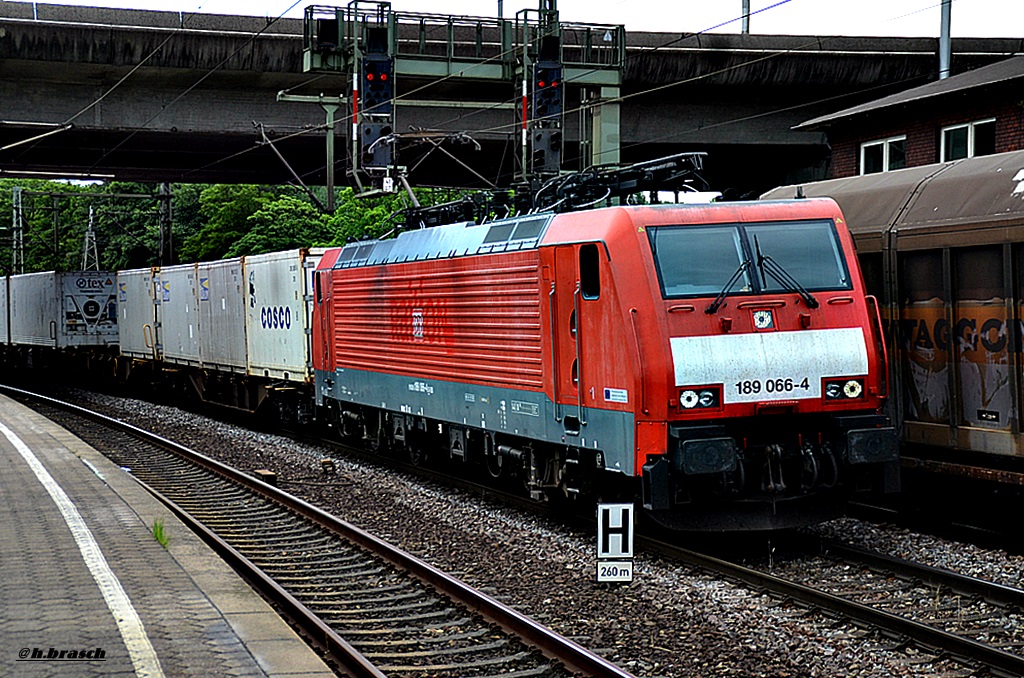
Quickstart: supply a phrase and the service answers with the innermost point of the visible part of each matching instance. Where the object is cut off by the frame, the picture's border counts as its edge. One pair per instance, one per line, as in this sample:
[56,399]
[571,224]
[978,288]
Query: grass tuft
[160,534]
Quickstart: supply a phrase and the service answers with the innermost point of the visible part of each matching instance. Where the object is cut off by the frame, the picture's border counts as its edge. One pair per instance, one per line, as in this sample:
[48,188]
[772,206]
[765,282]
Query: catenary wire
[508,128]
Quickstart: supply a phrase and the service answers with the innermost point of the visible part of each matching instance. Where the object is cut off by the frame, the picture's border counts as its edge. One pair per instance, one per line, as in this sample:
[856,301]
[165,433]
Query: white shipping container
[278,313]
[222,315]
[63,309]
[177,295]
[5,327]
[138,309]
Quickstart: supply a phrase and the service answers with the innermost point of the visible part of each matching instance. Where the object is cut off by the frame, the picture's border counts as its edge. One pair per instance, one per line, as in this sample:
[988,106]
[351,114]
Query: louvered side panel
[475,319]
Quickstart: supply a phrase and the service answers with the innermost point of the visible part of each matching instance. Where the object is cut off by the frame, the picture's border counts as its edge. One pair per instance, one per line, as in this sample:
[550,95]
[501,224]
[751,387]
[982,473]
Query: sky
[911,18]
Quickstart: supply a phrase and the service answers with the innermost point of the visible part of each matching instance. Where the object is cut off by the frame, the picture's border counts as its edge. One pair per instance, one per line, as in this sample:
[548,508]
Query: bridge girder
[187,114]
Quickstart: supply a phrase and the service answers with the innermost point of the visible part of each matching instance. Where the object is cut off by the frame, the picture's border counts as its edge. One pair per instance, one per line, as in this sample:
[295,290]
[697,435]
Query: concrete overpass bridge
[161,96]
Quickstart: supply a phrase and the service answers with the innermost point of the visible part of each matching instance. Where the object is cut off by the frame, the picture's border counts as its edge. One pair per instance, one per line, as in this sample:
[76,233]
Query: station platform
[86,589]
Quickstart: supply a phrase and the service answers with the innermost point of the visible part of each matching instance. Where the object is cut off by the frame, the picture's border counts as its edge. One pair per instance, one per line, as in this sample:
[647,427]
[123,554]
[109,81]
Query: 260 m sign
[751,386]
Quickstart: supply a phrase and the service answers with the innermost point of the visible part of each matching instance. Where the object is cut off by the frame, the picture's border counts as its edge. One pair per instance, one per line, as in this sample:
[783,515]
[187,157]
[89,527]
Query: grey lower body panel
[520,413]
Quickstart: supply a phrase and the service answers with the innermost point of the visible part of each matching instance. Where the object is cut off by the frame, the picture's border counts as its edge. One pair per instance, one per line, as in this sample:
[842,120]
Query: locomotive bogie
[490,410]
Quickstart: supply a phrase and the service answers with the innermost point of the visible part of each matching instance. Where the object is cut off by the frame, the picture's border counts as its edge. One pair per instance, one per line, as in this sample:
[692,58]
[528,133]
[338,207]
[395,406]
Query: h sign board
[614,531]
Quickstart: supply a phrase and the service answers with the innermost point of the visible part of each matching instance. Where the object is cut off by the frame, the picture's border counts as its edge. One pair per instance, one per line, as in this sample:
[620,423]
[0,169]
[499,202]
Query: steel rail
[572,655]
[322,635]
[928,636]
[954,581]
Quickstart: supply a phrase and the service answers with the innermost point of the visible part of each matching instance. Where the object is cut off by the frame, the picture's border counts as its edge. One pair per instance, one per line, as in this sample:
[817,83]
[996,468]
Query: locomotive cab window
[808,251]
[739,259]
[698,261]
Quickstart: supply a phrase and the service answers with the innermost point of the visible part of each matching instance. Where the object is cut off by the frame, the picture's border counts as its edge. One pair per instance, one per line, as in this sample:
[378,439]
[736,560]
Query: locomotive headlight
[843,389]
[700,398]
[852,389]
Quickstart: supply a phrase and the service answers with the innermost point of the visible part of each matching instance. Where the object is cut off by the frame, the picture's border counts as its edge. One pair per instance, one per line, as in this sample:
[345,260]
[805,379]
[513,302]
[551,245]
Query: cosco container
[278,310]
[63,309]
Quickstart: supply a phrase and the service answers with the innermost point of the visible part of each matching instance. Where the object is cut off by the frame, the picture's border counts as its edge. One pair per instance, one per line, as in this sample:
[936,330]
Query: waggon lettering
[996,334]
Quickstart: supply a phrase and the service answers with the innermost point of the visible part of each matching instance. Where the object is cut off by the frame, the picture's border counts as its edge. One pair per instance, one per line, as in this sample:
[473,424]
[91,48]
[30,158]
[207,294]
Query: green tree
[364,218]
[187,219]
[226,210]
[282,224]
[53,226]
[127,229]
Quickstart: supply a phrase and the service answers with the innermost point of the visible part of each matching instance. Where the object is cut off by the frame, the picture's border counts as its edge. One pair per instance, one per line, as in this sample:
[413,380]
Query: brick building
[979,112]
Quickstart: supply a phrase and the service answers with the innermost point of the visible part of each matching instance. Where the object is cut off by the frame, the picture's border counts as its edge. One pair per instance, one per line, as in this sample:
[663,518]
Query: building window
[883,155]
[967,141]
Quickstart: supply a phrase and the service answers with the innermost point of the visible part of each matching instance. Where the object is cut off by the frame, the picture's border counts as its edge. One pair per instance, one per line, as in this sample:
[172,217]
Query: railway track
[975,621]
[973,655]
[979,623]
[374,610]
[968,617]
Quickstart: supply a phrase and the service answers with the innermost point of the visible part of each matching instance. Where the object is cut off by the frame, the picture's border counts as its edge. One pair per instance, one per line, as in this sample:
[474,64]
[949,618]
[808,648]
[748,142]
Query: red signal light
[369,76]
[541,84]
[383,76]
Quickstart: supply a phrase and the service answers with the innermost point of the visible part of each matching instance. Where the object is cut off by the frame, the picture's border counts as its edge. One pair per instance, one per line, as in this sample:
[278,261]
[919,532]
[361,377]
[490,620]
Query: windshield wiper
[766,264]
[720,299]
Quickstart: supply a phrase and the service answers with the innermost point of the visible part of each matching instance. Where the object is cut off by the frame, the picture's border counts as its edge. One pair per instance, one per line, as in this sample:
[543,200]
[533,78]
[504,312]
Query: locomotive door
[322,354]
[567,342]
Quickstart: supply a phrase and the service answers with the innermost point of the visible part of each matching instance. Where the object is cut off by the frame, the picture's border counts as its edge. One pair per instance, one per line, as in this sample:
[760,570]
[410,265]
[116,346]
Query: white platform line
[144,658]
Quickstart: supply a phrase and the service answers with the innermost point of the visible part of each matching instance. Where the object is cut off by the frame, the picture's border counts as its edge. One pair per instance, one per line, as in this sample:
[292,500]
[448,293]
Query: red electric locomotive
[718,363]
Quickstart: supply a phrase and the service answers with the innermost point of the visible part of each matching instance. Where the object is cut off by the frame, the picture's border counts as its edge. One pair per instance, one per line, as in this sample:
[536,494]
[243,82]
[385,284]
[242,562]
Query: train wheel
[417,453]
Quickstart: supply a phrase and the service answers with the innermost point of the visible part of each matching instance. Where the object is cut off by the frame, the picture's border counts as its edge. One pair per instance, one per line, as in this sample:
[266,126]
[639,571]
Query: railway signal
[376,98]
[547,91]
[546,106]
[614,542]
[378,91]
[547,150]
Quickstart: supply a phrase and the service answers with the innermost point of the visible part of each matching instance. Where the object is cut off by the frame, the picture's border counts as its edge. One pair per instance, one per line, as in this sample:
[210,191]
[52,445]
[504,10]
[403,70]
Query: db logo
[417,323]
[276,317]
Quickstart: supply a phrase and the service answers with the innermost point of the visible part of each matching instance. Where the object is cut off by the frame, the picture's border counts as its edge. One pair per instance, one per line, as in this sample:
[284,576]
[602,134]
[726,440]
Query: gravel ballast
[671,621]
